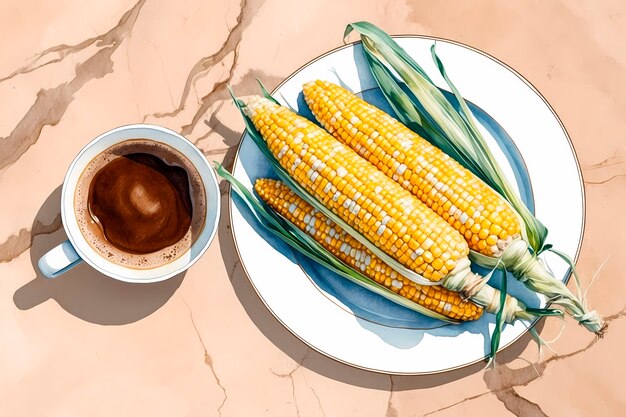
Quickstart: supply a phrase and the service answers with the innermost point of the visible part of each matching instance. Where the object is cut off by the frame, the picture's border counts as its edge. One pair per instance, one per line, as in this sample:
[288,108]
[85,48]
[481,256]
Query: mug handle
[59,260]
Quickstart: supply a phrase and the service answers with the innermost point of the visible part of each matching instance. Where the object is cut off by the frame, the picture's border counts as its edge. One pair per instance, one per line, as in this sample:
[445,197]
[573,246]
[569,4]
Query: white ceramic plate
[353,326]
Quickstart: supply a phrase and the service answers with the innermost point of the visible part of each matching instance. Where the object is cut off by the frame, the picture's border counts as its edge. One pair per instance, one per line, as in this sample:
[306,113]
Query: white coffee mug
[76,249]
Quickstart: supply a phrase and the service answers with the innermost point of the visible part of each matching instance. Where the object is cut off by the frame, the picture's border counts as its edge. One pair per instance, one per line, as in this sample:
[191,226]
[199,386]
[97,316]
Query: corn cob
[374,205]
[353,253]
[487,222]
[357,192]
[480,214]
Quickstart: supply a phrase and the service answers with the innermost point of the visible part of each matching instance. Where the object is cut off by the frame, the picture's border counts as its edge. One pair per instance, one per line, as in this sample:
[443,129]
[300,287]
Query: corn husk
[421,105]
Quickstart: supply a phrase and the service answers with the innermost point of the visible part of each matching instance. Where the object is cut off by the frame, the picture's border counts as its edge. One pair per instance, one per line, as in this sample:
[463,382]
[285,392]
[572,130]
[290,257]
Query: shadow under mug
[76,249]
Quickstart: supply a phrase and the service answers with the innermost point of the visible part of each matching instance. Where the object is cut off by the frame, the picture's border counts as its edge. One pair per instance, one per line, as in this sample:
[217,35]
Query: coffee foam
[92,232]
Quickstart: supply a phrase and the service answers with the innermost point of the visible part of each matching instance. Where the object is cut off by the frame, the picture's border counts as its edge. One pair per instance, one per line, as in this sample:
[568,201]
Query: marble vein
[218,151]
[20,242]
[167,81]
[51,104]
[391,411]
[613,160]
[218,90]
[132,80]
[518,405]
[208,360]
[473,397]
[319,402]
[46,57]
[204,65]
[293,385]
[606,180]
[616,316]
[502,380]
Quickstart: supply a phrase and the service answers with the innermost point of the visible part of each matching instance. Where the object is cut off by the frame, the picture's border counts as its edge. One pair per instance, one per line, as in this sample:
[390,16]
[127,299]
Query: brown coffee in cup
[140,203]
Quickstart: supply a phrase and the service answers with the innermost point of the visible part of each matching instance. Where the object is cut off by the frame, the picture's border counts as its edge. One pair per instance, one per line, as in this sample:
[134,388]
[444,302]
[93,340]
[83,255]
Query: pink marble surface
[203,343]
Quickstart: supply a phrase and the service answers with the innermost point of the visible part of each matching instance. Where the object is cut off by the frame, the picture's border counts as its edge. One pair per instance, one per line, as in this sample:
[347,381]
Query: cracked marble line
[64,50]
[208,360]
[205,64]
[219,151]
[319,402]
[216,92]
[473,397]
[293,383]
[167,81]
[504,379]
[606,180]
[518,405]
[16,244]
[231,45]
[391,411]
[608,162]
[51,104]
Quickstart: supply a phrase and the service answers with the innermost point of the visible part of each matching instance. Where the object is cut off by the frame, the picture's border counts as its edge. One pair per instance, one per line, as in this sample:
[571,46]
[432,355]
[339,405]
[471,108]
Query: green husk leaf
[545,312]
[570,263]
[266,93]
[454,132]
[298,189]
[303,243]
[536,232]
[500,323]
[438,117]
[374,32]
[396,97]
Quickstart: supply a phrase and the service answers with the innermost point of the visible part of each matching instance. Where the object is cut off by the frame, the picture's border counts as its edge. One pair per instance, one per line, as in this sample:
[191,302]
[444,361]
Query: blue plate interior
[365,305]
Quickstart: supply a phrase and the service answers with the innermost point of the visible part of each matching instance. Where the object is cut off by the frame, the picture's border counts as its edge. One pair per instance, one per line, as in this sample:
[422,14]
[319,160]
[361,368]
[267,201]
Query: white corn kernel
[397,284]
